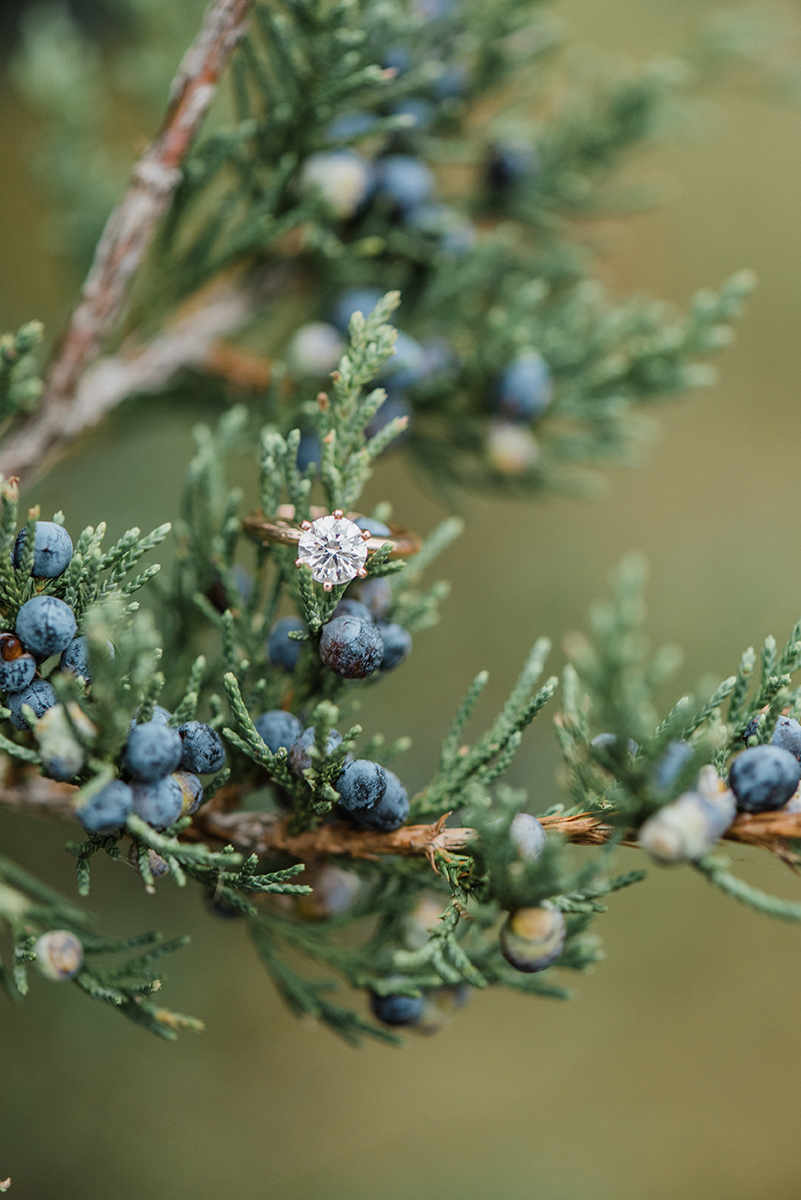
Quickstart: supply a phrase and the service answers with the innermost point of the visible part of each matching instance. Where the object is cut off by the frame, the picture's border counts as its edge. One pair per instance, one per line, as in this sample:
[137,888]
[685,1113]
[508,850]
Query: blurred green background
[676,1071]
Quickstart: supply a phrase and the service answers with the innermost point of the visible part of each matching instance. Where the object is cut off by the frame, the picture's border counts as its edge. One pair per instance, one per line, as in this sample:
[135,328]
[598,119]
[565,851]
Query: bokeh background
[677,1070]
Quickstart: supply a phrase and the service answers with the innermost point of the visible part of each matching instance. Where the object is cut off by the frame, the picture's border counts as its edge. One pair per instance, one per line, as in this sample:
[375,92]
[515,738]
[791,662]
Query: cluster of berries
[162,766]
[356,642]
[45,626]
[763,778]
[369,794]
[405,185]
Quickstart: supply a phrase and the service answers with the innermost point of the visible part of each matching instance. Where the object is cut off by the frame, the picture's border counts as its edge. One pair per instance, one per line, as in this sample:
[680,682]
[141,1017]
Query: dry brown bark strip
[125,240]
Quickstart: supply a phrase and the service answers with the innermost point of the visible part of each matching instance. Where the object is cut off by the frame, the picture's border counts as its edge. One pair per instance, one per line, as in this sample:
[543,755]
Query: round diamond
[333,549]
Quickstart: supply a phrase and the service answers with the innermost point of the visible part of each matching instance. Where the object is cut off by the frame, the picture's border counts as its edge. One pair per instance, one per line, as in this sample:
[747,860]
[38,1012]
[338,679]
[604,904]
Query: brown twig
[124,242]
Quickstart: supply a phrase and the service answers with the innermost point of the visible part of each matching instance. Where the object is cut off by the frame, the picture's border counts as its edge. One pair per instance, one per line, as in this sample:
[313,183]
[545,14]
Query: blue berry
[75,659]
[46,625]
[403,180]
[351,648]
[203,749]
[397,59]
[161,716]
[787,734]
[59,955]
[361,785]
[511,163]
[108,809]
[528,836]
[408,365]
[420,112]
[159,802]
[451,83]
[281,649]
[456,234]
[153,751]
[308,452]
[17,668]
[609,739]
[669,766]
[376,593]
[342,177]
[352,608]
[278,729]
[38,695]
[52,550]
[533,938]
[191,790]
[764,778]
[397,643]
[392,810]
[350,125]
[394,406]
[525,388]
[361,300]
[376,528]
[299,760]
[397,1010]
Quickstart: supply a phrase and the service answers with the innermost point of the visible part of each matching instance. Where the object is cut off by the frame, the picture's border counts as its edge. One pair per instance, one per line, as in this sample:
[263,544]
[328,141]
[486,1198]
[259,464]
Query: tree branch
[124,243]
[268,833]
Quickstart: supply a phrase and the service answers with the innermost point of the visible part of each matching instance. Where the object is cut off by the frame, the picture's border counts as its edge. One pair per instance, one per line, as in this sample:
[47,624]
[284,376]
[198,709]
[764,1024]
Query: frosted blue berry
[191,790]
[52,550]
[59,955]
[108,809]
[376,593]
[394,406]
[17,668]
[764,778]
[404,181]
[525,388]
[46,625]
[299,760]
[392,810]
[787,734]
[159,802]
[409,364]
[282,651]
[751,728]
[397,643]
[161,716]
[308,452]
[278,729]
[38,695]
[351,648]
[419,112]
[669,766]
[361,300]
[361,785]
[397,1010]
[315,349]
[153,751]
[533,938]
[451,83]
[348,126]
[343,179]
[376,528]
[397,59]
[511,163]
[75,659]
[203,749]
[352,608]
[528,836]
[455,233]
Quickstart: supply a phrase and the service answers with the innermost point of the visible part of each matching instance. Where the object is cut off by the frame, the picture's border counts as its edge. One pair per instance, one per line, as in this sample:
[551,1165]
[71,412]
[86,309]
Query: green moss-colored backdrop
[677,1070]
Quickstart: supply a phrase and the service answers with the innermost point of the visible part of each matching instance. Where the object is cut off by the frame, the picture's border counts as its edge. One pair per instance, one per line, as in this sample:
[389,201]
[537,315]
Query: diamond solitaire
[333,548]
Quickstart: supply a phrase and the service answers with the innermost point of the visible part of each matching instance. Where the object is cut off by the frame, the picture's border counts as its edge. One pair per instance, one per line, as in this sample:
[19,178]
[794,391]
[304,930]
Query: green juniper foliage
[204,737]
